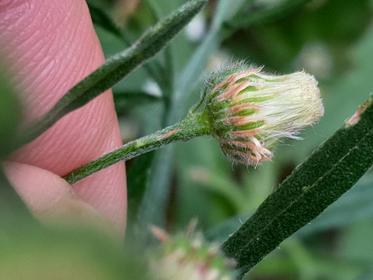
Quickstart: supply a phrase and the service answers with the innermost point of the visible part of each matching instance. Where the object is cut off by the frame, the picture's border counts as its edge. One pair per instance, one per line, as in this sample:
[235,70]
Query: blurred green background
[331,39]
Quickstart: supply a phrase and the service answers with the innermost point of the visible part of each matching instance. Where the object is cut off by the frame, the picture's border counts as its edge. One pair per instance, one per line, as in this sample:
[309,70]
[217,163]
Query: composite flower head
[249,110]
[187,256]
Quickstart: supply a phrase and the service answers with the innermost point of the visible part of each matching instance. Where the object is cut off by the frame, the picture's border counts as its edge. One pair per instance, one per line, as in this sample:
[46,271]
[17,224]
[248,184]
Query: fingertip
[106,192]
[52,45]
[40,189]
[53,201]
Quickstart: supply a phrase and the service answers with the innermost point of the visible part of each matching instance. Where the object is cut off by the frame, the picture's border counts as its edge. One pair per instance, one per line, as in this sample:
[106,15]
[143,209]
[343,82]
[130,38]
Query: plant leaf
[354,206]
[138,172]
[102,19]
[99,17]
[117,67]
[252,15]
[156,195]
[329,172]
[192,73]
[220,185]
[153,206]
[125,101]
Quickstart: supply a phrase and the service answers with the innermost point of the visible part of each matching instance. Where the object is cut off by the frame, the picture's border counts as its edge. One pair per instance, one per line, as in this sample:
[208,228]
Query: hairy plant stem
[195,124]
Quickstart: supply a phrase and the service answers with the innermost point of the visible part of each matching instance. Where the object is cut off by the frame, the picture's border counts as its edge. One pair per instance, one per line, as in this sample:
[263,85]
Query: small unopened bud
[187,256]
[249,110]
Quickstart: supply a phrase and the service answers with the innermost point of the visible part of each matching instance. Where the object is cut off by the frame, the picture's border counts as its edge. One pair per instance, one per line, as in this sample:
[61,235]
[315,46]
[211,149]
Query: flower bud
[187,256]
[249,110]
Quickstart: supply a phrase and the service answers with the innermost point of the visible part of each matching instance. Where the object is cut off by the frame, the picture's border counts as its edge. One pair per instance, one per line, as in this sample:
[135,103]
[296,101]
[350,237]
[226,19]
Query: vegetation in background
[245,209]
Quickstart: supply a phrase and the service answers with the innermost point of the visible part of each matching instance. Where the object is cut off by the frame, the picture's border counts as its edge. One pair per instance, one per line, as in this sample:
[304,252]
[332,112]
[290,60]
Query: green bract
[250,110]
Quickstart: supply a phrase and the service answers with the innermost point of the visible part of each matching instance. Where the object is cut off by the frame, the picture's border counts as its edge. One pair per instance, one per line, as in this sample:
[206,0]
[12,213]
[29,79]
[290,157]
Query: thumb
[51,45]
[50,198]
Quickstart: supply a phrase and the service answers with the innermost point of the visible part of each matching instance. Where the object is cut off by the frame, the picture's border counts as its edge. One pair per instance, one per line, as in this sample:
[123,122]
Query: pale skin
[49,46]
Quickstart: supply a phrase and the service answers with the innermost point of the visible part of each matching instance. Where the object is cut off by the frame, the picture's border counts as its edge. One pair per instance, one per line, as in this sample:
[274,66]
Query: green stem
[193,125]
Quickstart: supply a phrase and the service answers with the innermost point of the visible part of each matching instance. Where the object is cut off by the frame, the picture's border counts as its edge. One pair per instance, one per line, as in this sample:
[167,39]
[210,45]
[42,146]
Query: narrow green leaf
[192,73]
[102,19]
[354,206]
[138,172]
[125,101]
[167,79]
[253,15]
[99,17]
[154,202]
[220,232]
[329,172]
[156,196]
[117,67]
[221,185]
[120,96]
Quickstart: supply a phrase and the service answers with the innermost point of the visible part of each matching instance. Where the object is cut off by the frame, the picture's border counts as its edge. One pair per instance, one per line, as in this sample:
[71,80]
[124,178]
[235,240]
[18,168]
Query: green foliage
[330,39]
[66,254]
[354,206]
[138,173]
[100,18]
[259,13]
[223,193]
[319,181]
[117,67]
[10,113]
[159,188]
[125,101]
[11,206]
